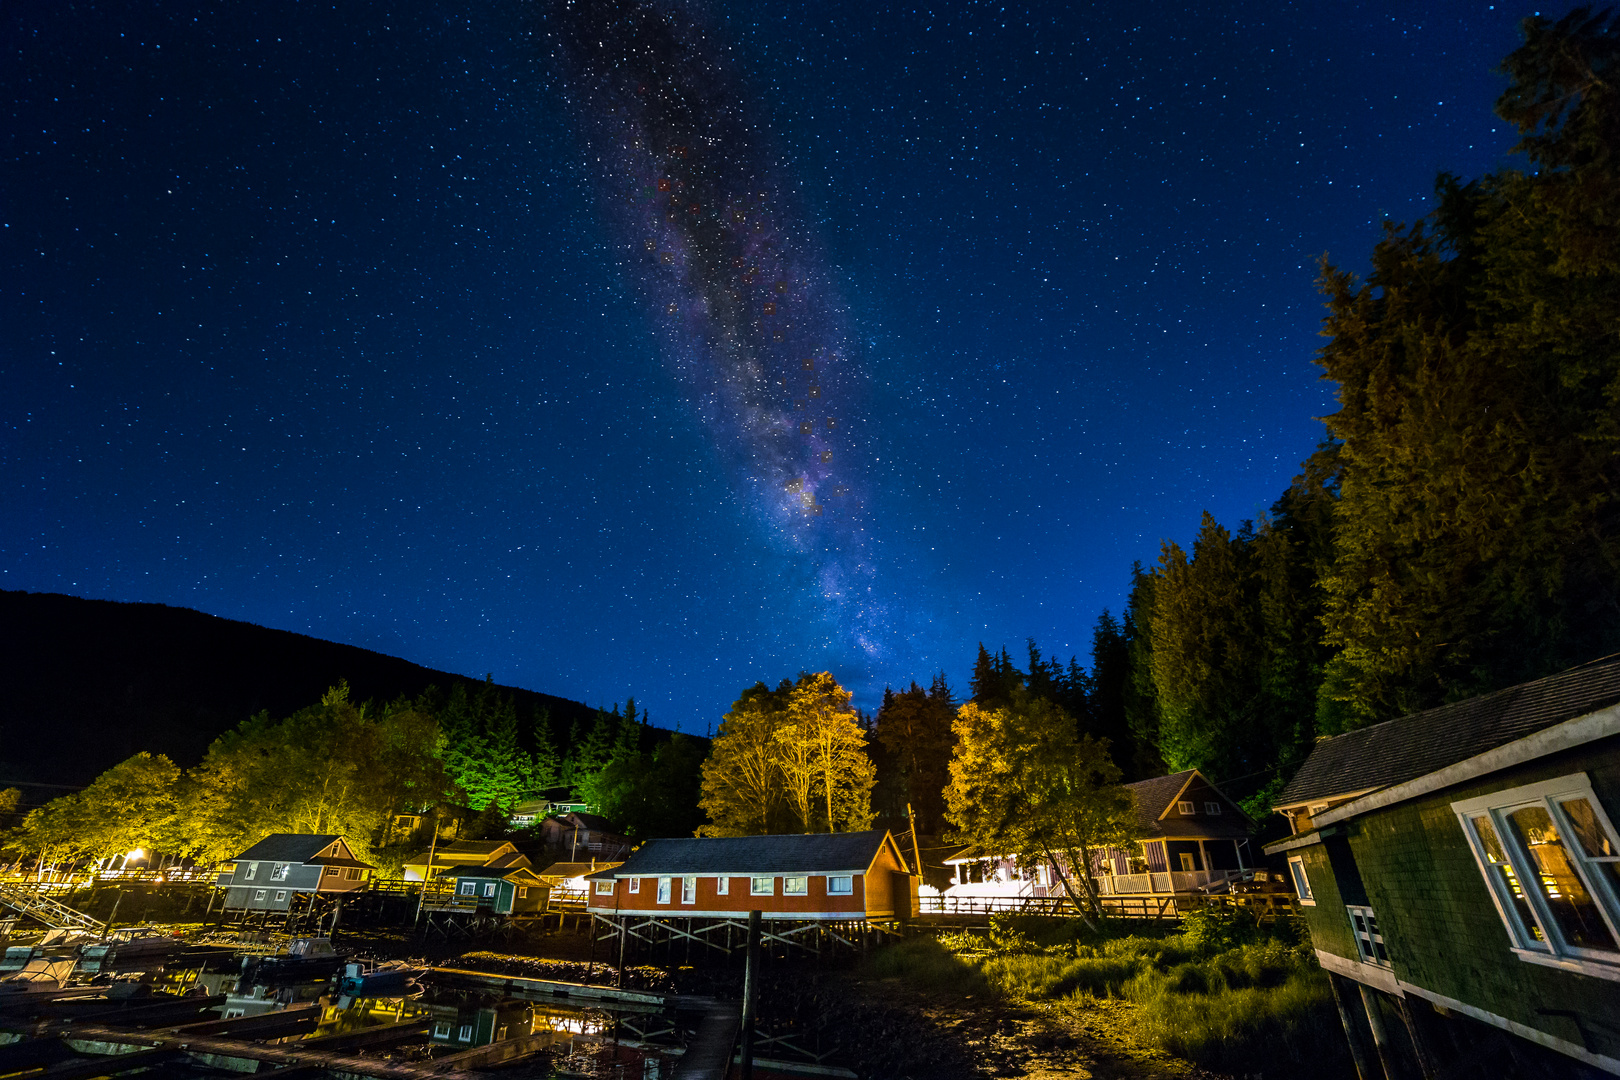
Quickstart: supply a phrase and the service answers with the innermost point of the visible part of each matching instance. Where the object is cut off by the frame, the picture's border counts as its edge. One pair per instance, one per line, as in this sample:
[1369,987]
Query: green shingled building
[1459,870]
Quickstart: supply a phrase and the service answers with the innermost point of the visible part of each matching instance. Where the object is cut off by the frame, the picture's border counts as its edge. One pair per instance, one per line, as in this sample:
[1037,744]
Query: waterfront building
[1459,870]
[285,869]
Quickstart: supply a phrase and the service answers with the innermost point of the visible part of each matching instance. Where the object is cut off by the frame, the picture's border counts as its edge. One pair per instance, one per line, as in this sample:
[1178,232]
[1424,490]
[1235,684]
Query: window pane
[1571,905]
[1595,841]
[1302,884]
[1496,858]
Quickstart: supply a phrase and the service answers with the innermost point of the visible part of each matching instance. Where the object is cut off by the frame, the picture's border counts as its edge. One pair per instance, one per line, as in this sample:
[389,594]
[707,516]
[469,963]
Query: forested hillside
[90,682]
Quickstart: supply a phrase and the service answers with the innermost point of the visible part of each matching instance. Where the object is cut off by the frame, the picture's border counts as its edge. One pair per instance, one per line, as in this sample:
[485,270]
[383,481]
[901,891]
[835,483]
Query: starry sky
[378,321]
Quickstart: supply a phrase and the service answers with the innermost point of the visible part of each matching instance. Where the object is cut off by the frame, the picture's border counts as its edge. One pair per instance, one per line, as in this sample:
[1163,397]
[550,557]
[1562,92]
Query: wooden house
[1459,870]
[567,879]
[579,834]
[1192,835]
[558,801]
[497,890]
[270,875]
[806,876]
[499,854]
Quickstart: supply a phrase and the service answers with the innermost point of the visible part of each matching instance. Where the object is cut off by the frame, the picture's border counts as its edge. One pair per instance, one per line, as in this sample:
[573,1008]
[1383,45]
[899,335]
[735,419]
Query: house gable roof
[798,853]
[1156,809]
[293,848]
[1403,749]
[562,870]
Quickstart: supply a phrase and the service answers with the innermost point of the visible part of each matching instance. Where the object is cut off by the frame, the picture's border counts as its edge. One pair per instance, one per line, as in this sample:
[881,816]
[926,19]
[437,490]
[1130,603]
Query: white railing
[1176,881]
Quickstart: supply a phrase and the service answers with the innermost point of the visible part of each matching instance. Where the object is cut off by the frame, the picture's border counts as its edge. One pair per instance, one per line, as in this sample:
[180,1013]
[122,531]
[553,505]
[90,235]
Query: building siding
[737,900]
[1437,918]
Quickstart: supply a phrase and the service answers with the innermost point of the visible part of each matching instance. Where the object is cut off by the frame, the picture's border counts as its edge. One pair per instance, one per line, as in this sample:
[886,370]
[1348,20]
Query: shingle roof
[1153,798]
[1411,746]
[287,847]
[574,869]
[799,853]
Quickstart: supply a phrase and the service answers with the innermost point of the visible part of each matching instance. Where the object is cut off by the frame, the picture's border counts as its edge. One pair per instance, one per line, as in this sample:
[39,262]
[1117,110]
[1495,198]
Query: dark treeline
[1458,531]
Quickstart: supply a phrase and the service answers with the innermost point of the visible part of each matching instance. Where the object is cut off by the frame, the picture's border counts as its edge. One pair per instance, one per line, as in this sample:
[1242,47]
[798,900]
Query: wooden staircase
[36,905]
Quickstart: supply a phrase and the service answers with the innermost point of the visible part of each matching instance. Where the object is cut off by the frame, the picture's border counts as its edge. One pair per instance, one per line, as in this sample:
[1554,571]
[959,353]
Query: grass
[1221,992]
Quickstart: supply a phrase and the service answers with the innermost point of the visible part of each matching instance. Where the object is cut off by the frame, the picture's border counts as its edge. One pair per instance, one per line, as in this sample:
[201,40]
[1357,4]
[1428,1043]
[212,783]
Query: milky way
[748,315]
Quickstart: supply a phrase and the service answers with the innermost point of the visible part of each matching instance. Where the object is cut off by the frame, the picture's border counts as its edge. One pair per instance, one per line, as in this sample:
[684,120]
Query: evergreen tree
[1477,542]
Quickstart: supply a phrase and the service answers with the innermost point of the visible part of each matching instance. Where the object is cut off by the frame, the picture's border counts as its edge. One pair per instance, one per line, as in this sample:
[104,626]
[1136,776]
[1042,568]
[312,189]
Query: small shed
[517,891]
[269,875]
[807,876]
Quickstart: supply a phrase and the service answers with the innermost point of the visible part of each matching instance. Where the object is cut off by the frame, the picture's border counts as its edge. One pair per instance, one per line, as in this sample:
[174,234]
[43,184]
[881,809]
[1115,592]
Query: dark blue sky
[313,316]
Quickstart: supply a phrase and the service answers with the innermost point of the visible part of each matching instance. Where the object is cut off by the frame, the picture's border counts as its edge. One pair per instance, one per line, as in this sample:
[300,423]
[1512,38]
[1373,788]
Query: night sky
[504,336]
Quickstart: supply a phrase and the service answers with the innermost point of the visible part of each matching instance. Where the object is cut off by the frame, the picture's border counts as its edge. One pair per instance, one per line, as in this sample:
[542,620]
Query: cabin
[500,854]
[557,800]
[497,890]
[567,879]
[1192,836]
[581,834]
[271,874]
[1459,871]
[806,876]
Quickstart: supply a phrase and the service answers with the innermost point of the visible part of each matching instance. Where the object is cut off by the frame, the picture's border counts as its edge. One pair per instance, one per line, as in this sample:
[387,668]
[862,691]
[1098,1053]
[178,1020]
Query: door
[1187,862]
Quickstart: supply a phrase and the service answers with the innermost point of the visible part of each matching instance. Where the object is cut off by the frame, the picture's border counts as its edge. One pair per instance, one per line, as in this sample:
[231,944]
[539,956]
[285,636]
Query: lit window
[762,886]
[663,890]
[1369,942]
[1549,856]
[605,888]
[635,884]
[489,888]
[688,890]
[840,884]
[1302,884]
[722,885]
[279,873]
[466,1033]
[795,886]
[1212,808]
[1185,806]
[469,888]
[441,1030]
[252,871]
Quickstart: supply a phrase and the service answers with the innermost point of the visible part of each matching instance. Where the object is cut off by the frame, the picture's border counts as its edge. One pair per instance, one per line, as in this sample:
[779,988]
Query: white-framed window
[469,888]
[1302,883]
[795,885]
[1551,860]
[1213,809]
[722,886]
[688,890]
[252,871]
[354,873]
[489,888]
[1369,942]
[279,872]
[635,884]
[840,884]
[281,894]
[523,892]
[258,894]
[762,886]
[1185,806]
[663,890]
[332,871]
[605,888]
[466,1033]
[441,1030]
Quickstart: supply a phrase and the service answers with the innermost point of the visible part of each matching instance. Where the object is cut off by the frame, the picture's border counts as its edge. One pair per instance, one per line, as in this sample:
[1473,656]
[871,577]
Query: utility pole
[750,993]
[427,873]
[915,850]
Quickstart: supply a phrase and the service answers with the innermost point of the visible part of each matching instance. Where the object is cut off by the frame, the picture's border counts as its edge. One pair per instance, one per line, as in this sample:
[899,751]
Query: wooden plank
[276,1024]
[111,1064]
[369,1037]
[708,1055]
